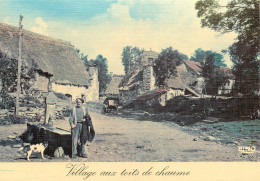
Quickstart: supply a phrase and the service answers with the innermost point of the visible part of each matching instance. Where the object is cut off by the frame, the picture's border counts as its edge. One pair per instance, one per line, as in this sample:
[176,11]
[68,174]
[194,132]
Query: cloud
[41,26]
[174,23]
[6,19]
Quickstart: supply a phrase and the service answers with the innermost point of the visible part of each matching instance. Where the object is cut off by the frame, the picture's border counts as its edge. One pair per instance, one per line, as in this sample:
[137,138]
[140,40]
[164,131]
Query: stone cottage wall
[148,79]
[92,93]
[41,83]
[126,96]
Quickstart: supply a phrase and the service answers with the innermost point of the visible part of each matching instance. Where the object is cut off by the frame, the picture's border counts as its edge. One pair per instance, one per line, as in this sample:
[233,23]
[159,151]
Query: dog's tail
[20,148]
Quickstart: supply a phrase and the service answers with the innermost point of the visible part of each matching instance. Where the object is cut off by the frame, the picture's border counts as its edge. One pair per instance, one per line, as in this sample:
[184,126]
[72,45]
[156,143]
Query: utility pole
[19,66]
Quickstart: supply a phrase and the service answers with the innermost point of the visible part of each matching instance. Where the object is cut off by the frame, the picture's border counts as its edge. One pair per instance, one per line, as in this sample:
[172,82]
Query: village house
[112,90]
[140,83]
[226,88]
[58,63]
[197,82]
[192,71]
[140,78]
[160,96]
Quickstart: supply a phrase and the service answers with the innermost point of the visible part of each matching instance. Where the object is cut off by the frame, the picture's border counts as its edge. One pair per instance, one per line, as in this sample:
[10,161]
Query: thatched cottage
[58,63]
[112,90]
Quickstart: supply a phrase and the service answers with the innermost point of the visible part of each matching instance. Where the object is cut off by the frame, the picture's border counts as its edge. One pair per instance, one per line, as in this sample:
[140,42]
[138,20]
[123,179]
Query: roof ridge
[39,36]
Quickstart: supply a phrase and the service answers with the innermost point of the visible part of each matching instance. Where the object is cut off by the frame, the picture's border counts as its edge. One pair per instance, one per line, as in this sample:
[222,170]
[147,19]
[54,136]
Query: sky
[107,26]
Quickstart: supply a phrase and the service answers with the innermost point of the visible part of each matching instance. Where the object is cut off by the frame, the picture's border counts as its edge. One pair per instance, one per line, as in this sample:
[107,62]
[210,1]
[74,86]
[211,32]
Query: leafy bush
[30,99]
[14,119]
[2,105]
[8,101]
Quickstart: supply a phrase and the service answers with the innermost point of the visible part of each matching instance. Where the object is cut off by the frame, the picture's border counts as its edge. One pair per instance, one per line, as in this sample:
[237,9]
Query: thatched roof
[132,78]
[186,77]
[112,87]
[53,56]
[175,82]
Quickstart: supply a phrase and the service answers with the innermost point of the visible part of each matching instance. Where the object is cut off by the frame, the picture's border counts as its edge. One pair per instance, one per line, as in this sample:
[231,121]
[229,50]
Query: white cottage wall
[173,93]
[226,89]
[74,91]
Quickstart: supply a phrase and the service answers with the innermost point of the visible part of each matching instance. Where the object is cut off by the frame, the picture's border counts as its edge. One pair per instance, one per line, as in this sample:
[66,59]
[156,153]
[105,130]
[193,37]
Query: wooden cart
[111,104]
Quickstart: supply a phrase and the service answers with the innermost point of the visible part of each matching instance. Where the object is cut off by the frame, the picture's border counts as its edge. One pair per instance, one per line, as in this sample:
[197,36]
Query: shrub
[30,99]
[14,119]
[2,105]
[8,101]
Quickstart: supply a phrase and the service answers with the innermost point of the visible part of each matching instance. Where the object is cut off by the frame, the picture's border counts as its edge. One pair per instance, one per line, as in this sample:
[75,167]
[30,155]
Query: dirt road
[129,140]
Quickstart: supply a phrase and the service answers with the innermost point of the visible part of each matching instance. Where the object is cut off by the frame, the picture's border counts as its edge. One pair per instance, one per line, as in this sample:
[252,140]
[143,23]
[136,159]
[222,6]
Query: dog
[35,148]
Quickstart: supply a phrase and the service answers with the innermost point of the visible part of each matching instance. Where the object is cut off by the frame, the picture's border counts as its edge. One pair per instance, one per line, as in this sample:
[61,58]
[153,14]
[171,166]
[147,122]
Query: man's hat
[80,99]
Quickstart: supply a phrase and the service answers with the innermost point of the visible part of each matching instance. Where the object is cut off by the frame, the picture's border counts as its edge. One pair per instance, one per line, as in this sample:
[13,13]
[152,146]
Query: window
[150,60]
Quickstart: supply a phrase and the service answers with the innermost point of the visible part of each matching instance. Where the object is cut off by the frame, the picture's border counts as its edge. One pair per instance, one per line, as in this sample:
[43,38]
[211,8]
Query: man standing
[80,122]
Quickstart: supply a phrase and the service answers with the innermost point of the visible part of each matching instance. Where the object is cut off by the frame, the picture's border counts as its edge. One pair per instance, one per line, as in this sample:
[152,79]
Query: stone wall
[148,79]
[41,83]
[92,93]
[126,95]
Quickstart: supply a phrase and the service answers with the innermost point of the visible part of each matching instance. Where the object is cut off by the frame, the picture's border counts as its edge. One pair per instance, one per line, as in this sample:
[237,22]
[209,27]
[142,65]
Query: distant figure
[81,127]
[51,101]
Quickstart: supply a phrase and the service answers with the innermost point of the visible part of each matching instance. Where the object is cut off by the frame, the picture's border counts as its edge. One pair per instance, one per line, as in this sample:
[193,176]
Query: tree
[83,57]
[165,64]
[8,75]
[184,56]
[103,77]
[101,62]
[242,17]
[130,56]
[200,56]
[214,77]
